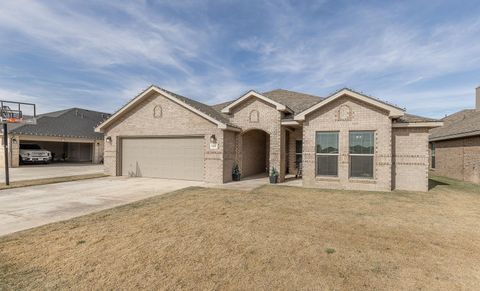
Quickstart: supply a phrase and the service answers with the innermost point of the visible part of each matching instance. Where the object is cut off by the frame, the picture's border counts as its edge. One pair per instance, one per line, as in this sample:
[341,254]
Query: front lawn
[271,238]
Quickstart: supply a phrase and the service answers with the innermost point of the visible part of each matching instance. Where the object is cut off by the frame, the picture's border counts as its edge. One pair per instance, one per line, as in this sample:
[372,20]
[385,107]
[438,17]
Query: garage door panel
[174,158]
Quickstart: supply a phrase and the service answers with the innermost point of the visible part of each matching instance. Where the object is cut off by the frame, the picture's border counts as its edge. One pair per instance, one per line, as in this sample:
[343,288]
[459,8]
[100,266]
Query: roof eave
[393,111]
[429,124]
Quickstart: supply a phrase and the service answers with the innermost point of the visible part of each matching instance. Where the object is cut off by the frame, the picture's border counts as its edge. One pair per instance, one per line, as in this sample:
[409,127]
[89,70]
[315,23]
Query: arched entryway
[255,152]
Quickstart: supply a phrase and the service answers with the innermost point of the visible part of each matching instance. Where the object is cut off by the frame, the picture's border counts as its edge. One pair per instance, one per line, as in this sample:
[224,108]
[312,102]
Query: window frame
[350,155]
[327,154]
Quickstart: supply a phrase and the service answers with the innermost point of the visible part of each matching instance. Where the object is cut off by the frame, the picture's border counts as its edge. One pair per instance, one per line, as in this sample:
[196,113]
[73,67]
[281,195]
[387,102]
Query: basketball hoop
[24,113]
[15,113]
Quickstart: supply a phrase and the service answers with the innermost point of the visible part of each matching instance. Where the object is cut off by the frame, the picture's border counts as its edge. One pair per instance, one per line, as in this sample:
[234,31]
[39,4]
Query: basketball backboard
[17,112]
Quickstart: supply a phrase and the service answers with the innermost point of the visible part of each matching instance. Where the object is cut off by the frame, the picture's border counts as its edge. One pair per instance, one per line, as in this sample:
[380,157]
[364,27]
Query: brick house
[455,147]
[68,134]
[346,141]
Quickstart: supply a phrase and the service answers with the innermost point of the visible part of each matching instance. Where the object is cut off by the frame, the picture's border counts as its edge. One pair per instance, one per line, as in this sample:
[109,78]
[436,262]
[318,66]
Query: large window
[298,152]
[433,155]
[327,153]
[361,154]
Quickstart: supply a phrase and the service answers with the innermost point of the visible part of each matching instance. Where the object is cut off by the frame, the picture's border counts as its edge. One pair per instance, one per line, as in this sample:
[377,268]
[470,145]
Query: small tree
[236,172]
[273,176]
[273,172]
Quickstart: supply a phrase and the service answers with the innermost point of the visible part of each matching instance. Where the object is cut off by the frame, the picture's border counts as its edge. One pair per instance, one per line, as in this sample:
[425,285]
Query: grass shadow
[432,183]
[440,181]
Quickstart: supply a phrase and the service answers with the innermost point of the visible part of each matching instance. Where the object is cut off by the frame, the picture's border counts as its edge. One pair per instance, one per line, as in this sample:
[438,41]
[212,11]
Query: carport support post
[5,152]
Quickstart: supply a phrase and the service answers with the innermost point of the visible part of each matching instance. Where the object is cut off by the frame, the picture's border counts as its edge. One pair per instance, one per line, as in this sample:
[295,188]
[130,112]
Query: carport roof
[72,123]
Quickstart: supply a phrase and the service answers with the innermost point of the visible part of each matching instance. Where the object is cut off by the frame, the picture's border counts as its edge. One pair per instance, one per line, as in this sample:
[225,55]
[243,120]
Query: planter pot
[236,177]
[273,179]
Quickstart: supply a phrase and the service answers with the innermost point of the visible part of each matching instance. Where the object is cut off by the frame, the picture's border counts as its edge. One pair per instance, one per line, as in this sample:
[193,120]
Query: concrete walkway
[250,183]
[28,207]
[31,172]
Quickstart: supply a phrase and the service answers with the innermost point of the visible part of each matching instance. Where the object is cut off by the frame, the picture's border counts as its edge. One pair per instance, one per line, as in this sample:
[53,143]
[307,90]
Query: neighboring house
[455,147]
[69,134]
[347,140]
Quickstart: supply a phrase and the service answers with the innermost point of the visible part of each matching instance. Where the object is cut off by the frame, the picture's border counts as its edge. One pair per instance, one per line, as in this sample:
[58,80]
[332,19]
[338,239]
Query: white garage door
[172,158]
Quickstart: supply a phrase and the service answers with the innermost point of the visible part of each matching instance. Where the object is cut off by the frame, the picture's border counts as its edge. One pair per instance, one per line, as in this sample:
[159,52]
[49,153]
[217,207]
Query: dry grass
[44,181]
[270,238]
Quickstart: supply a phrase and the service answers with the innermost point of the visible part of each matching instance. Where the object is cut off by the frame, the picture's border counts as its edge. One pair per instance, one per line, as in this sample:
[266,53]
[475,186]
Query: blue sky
[422,55]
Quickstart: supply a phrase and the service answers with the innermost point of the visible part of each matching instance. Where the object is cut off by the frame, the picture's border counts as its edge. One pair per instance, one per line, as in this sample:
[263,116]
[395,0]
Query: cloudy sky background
[422,55]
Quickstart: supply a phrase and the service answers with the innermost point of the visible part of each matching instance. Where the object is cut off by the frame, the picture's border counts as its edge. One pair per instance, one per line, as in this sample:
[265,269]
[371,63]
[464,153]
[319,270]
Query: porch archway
[255,152]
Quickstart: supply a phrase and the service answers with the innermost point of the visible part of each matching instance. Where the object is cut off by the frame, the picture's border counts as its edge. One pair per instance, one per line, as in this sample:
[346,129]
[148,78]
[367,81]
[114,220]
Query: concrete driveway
[28,207]
[32,172]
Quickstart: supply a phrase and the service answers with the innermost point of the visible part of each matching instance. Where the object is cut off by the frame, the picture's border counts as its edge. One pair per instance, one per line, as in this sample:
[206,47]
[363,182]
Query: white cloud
[95,41]
[374,49]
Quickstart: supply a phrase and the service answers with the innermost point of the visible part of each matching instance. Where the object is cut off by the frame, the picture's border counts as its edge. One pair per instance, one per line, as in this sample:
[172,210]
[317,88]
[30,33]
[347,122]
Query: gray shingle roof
[73,122]
[204,108]
[461,124]
[410,118]
[296,101]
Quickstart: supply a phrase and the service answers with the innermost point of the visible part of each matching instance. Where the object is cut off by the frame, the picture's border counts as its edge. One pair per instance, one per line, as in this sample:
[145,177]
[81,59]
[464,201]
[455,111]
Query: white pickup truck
[33,153]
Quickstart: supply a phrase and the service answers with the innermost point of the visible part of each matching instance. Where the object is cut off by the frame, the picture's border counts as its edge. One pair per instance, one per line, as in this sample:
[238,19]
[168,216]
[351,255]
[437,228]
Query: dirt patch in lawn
[271,238]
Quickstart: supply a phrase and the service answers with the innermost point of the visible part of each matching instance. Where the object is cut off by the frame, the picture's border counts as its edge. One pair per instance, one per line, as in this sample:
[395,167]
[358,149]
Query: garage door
[172,158]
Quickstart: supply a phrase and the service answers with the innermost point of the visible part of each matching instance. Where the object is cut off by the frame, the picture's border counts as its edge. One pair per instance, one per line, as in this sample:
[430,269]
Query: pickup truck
[33,153]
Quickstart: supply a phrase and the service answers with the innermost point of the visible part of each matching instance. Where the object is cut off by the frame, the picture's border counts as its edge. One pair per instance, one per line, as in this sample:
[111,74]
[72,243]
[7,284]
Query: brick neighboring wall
[361,117]
[269,120]
[458,159]
[410,159]
[175,120]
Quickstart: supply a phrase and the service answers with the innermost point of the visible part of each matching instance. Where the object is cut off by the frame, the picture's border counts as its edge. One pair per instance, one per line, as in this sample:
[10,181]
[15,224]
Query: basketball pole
[5,151]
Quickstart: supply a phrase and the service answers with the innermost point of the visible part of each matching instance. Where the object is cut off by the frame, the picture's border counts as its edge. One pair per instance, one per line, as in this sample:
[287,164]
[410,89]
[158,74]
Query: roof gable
[201,109]
[393,111]
[254,94]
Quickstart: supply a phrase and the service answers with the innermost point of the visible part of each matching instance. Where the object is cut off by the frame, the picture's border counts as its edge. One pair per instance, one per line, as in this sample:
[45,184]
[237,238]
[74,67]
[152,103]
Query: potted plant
[273,176]
[236,172]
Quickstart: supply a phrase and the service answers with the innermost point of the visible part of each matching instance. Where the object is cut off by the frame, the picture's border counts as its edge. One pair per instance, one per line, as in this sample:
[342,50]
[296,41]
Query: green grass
[45,181]
[440,181]
[330,251]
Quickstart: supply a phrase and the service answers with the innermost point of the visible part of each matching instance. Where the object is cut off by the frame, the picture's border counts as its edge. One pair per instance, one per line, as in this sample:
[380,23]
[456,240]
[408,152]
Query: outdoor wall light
[213,139]
[14,141]
[109,139]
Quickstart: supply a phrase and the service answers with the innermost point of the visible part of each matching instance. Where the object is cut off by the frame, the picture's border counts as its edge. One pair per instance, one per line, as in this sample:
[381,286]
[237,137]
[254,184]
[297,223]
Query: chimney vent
[477,91]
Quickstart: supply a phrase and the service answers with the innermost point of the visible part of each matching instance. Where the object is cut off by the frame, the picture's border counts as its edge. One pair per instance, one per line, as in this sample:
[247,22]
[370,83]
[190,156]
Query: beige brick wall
[98,148]
[458,159]
[229,154]
[294,135]
[269,121]
[13,153]
[175,121]
[361,117]
[410,159]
